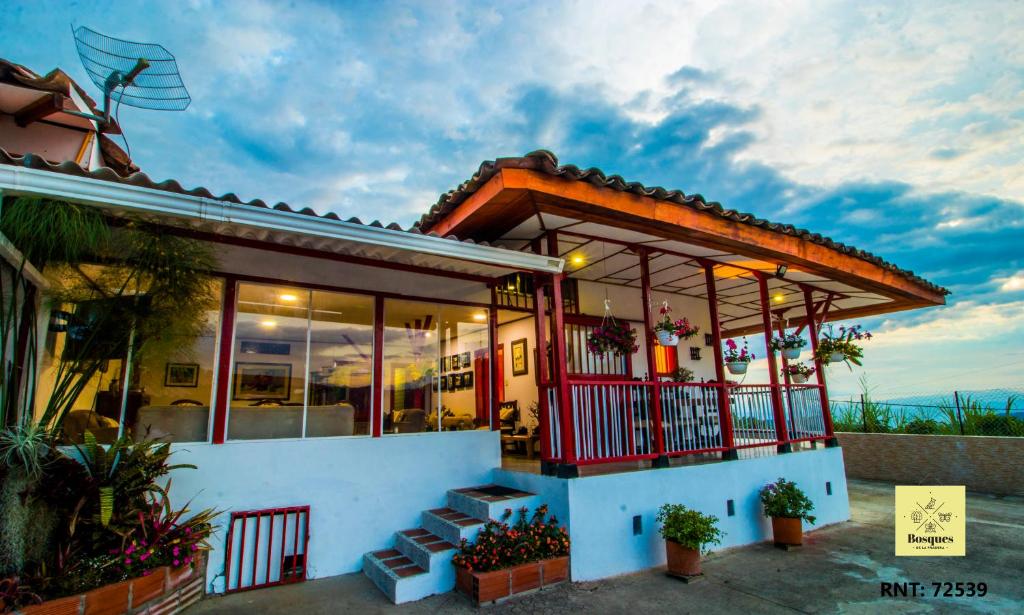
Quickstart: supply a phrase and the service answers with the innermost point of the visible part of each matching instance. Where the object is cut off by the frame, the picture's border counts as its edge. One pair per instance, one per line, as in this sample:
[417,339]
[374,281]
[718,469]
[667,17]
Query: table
[527,439]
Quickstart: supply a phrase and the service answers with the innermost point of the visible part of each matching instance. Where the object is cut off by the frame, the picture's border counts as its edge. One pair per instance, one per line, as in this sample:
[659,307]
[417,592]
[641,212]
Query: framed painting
[454,362]
[182,375]
[262,381]
[445,363]
[465,360]
[520,366]
[442,383]
[467,380]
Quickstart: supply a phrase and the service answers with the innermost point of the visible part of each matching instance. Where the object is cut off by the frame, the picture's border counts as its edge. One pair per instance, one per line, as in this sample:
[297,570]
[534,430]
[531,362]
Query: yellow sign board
[931,520]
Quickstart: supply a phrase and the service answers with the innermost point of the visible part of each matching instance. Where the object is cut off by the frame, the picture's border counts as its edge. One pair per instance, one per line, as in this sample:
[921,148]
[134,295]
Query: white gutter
[125,197]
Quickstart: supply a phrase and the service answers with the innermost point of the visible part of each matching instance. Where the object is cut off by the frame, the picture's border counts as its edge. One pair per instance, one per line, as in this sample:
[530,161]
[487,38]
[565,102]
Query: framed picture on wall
[520,366]
[182,375]
[442,382]
[453,383]
[465,360]
[467,380]
[454,362]
[445,363]
[262,381]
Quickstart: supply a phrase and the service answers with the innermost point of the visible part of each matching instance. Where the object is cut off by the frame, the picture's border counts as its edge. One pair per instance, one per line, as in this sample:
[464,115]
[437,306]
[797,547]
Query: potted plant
[788,506]
[610,336]
[681,374]
[686,533]
[798,372]
[737,360]
[790,345]
[670,331]
[837,347]
[507,559]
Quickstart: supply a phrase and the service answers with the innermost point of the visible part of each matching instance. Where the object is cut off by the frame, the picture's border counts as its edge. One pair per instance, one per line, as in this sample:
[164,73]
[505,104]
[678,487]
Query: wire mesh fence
[997,412]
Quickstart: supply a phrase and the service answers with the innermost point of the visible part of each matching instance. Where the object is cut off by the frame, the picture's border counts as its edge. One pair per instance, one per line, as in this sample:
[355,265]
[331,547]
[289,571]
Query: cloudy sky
[896,127]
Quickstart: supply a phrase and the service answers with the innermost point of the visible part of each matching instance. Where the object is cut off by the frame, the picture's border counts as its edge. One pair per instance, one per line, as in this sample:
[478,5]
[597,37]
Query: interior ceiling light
[578,259]
[268,324]
[778,298]
[289,297]
[480,316]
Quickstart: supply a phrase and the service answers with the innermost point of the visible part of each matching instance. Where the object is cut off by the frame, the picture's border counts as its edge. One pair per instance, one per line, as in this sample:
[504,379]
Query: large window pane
[340,365]
[176,381]
[268,381]
[465,368]
[410,363]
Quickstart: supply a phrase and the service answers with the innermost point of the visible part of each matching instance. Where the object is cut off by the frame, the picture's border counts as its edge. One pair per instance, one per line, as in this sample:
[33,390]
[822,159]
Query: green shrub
[688,527]
[922,426]
[998,425]
[784,499]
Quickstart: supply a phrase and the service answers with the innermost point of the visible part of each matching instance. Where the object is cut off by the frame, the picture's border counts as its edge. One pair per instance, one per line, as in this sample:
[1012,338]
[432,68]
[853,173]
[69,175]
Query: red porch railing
[613,421]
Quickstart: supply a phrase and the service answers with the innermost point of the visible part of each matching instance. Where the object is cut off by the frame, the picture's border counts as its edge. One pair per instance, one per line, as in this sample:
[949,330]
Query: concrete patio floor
[839,570]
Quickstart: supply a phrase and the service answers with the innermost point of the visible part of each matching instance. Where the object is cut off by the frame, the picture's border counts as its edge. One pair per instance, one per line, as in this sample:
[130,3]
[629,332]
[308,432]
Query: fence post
[959,417]
[863,413]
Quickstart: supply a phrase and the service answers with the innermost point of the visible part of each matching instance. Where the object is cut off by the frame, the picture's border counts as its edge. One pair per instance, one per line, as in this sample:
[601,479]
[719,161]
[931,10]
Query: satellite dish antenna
[143,75]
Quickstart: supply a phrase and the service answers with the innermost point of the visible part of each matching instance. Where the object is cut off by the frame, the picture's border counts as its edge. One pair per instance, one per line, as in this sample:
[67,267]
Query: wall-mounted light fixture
[780,271]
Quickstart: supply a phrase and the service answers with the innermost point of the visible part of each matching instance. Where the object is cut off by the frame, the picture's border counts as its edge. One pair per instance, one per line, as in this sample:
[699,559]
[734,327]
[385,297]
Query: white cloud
[965,321]
[1013,283]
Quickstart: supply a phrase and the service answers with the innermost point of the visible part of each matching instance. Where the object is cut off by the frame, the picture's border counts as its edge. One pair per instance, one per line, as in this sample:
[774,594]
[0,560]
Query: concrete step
[394,574]
[451,525]
[425,549]
[490,501]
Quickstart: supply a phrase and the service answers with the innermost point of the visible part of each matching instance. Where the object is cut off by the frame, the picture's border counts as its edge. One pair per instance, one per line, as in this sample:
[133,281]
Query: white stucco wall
[360,490]
[601,508]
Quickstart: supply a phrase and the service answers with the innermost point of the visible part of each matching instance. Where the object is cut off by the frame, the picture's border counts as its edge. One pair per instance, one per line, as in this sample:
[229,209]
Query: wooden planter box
[482,587]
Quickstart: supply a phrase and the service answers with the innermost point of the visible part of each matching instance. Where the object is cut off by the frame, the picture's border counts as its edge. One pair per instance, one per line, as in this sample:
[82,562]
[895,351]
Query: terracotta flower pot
[788,531]
[682,560]
[554,570]
[524,577]
[798,378]
[482,586]
[737,367]
[108,600]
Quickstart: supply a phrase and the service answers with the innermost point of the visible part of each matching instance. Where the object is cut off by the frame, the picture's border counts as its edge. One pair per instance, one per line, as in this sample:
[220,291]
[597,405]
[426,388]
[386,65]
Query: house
[351,400]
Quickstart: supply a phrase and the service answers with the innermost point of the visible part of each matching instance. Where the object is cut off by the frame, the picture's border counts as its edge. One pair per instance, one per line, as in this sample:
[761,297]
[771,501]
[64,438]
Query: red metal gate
[255,558]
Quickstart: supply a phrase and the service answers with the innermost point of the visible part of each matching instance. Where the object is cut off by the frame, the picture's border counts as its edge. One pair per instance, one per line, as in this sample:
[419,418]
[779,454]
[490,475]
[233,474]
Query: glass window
[175,378]
[410,363]
[340,365]
[465,367]
[436,367]
[268,383]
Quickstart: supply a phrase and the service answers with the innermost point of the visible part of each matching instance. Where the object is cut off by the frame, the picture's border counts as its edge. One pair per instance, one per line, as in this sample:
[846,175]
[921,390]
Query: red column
[812,330]
[227,338]
[781,433]
[540,344]
[377,405]
[492,341]
[564,408]
[645,289]
[724,412]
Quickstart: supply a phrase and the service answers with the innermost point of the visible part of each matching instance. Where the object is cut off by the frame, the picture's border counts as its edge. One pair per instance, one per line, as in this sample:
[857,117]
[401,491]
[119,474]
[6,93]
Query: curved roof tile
[545,161]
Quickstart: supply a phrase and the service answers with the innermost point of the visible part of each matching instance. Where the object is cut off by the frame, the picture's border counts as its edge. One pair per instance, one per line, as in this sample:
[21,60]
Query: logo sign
[931,521]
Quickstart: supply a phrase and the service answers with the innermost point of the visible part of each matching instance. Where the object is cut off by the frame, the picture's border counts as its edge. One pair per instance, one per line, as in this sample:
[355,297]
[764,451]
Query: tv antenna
[143,75]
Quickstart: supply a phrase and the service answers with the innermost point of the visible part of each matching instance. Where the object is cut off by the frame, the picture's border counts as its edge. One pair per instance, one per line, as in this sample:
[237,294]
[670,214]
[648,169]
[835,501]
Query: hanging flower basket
[839,347]
[798,372]
[670,331]
[737,360]
[789,345]
[612,337]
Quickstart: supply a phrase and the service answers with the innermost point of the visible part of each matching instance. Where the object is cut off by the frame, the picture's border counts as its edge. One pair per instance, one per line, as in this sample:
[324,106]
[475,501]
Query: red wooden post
[812,330]
[540,328]
[568,429]
[492,340]
[661,461]
[227,337]
[781,431]
[377,404]
[724,412]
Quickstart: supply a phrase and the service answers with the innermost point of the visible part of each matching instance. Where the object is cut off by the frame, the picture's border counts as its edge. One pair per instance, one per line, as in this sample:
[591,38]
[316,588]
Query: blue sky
[895,127]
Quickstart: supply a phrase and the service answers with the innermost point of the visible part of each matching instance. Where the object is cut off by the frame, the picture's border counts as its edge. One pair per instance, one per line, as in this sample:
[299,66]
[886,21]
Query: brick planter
[483,587]
[164,590]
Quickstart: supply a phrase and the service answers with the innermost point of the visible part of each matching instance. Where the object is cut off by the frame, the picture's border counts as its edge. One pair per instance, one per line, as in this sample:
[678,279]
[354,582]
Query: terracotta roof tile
[546,162]
[32,161]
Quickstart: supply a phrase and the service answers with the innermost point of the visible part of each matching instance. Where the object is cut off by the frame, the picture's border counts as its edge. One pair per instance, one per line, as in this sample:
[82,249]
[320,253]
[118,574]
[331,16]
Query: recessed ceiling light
[578,259]
[289,297]
[778,298]
[268,324]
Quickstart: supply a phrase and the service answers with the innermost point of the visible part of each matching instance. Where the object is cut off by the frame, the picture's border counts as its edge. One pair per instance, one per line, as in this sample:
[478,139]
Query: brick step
[490,501]
[451,525]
